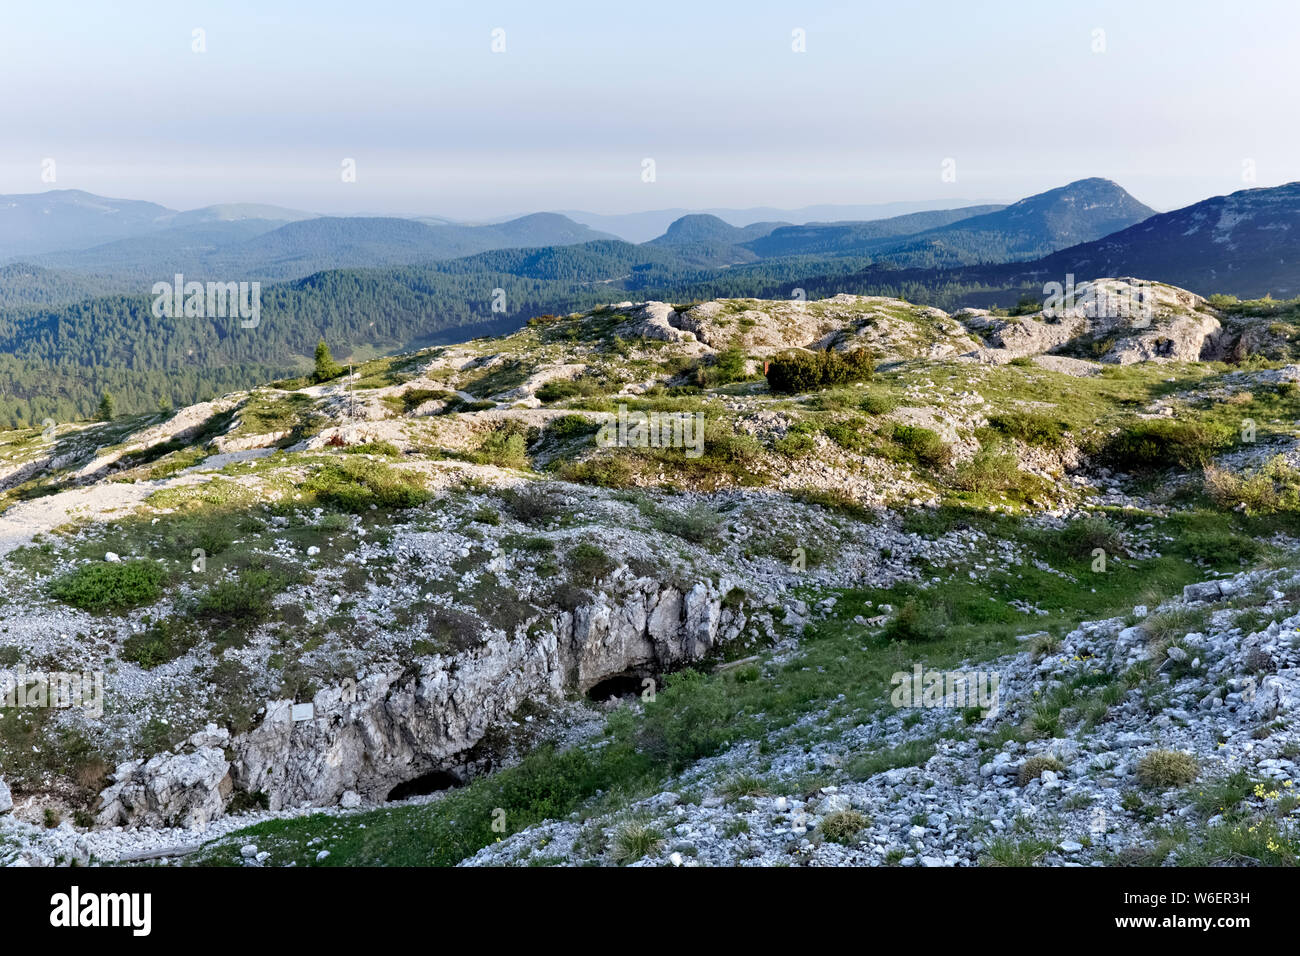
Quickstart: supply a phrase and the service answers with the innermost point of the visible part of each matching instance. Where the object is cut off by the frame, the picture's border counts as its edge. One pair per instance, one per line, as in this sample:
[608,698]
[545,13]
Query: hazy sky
[1185,93]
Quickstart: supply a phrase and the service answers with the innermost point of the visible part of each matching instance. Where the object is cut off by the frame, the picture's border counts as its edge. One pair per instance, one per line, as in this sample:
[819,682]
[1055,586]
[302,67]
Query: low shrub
[1162,769]
[1271,489]
[1163,443]
[922,445]
[161,642]
[384,448]
[110,586]
[1029,428]
[850,435]
[1033,768]
[506,446]
[726,367]
[916,623]
[636,841]
[794,372]
[243,601]
[1083,535]
[559,390]
[609,470]
[569,427]
[990,469]
[699,524]
[589,562]
[356,484]
[842,826]
[689,719]
[533,504]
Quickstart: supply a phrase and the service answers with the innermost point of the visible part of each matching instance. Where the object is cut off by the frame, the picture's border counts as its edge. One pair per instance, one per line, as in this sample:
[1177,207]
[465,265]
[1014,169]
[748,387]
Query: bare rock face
[657,321]
[1122,321]
[393,725]
[6,798]
[168,790]
[1022,336]
[1178,338]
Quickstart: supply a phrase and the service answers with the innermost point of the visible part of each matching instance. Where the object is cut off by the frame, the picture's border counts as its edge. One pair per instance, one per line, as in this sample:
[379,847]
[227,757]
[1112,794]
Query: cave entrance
[620,686]
[426,783]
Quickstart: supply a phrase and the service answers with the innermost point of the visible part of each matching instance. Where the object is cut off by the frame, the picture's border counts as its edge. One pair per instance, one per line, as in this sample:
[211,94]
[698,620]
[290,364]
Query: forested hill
[55,363]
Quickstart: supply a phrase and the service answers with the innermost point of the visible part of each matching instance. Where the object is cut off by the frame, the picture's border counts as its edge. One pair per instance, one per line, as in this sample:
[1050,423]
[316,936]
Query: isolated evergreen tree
[326,367]
[107,408]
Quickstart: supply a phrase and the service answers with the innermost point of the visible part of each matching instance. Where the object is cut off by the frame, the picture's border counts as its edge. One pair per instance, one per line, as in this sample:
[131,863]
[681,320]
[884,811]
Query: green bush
[568,427]
[110,586]
[916,623]
[567,388]
[922,445]
[244,601]
[385,448]
[1163,443]
[1166,768]
[794,372]
[835,499]
[589,562]
[689,719]
[842,826]
[1271,489]
[877,403]
[1029,428]
[699,524]
[990,469]
[609,470]
[413,398]
[1083,535]
[534,504]
[506,447]
[727,366]
[356,484]
[163,641]
[849,435]
[797,440]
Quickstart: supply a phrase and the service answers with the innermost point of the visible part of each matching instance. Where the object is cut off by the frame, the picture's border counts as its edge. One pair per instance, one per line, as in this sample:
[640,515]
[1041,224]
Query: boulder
[168,790]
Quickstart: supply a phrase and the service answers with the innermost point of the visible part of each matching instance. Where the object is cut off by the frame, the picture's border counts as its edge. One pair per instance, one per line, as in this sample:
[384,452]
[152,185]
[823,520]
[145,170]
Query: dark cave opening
[426,783]
[620,686]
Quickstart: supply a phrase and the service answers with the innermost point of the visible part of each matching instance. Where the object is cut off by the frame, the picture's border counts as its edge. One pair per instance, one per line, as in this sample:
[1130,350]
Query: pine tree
[107,408]
[326,367]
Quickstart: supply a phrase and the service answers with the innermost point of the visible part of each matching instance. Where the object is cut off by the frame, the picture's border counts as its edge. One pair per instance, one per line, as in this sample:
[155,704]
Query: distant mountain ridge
[1246,244]
[267,250]
[1034,226]
[843,238]
[644,226]
[702,227]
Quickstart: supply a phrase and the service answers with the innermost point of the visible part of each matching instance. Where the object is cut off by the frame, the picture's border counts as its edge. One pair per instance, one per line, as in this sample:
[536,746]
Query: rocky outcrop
[1018,337]
[1121,321]
[656,321]
[170,790]
[396,724]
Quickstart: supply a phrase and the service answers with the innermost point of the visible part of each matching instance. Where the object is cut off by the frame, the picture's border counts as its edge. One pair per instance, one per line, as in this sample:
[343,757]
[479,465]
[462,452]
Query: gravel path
[20,523]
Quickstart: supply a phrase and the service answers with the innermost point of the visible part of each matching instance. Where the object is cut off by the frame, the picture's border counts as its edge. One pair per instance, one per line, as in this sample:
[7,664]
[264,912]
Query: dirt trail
[28,518]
